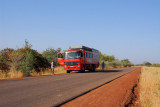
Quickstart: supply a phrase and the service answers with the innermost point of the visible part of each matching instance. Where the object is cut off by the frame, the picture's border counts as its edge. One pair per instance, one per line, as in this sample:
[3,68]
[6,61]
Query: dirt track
[117,93]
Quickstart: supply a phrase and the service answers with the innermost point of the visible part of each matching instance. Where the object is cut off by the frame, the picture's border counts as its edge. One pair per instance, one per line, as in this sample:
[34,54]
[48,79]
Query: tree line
[113,62]
[28,60]
[149,64]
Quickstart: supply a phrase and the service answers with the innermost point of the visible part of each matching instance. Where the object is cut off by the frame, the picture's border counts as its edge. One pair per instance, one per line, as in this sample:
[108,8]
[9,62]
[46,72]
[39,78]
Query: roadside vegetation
[150,87]
[25,62]
[112,62]
[148,64]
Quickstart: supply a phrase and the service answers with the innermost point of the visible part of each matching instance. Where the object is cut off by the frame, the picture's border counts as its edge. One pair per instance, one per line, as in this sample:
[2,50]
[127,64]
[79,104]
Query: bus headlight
[78,66]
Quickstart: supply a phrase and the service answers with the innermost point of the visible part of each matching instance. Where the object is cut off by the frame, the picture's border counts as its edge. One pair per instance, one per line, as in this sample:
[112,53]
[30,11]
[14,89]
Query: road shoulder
[116,93]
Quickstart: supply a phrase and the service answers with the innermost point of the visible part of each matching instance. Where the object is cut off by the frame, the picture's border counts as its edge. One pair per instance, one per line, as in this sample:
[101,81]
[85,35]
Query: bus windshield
[73,55]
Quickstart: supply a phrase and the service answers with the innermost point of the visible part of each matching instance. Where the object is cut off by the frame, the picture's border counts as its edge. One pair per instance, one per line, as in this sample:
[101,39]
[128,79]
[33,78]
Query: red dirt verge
[118,93]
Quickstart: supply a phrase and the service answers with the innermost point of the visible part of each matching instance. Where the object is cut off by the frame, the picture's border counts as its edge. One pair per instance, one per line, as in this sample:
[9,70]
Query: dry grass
[11,74]
[46,72]
[150,87]
[18,74]
[59,69]
[2,75]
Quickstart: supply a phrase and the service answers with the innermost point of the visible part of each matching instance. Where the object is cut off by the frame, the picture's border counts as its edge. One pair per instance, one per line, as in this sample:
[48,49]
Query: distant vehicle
[79,58]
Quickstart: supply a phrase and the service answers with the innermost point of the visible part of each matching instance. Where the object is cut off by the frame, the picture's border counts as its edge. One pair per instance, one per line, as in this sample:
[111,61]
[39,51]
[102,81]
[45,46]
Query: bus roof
[85,48]
[81,47]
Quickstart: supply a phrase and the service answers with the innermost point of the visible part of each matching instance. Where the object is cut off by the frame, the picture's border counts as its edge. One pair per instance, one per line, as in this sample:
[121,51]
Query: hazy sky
[123,28]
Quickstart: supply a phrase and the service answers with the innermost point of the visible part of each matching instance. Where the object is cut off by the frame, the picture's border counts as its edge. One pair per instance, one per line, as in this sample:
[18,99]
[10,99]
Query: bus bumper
[72,68]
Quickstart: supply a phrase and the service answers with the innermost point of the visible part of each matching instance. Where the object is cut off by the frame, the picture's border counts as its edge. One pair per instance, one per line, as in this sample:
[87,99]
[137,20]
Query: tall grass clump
[150,87]
[59,69]
[11,74]
[2,75]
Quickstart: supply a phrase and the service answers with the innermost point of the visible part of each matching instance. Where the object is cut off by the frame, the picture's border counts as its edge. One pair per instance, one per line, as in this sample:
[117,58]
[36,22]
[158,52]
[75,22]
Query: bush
[28,63]
[33,60]
[114,64]
[51,55]
[16,58]
[4,59]
[104,57]
[155,65]
[147,64]
[24,59]
[126,63]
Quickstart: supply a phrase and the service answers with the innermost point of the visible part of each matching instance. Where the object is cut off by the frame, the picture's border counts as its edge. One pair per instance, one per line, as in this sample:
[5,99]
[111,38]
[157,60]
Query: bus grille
[71,63]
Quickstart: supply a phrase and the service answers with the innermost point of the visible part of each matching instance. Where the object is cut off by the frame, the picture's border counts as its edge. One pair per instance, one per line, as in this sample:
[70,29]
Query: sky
[123,28]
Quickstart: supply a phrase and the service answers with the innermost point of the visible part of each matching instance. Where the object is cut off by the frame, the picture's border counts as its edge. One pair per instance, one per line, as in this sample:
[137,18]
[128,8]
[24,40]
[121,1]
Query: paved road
[53,90]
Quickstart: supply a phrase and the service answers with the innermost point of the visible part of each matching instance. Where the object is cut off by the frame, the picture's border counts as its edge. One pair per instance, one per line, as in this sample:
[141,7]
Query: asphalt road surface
[50,91]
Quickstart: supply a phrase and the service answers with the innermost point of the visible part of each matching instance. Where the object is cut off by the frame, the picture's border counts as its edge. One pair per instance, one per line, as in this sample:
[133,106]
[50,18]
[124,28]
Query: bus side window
[87,55]
[91,55]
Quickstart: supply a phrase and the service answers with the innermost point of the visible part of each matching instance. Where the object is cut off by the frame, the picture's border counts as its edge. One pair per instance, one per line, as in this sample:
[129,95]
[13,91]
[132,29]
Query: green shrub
[155,65]
[104,57]
[51,55]
[126,63]
[147,64]
[28,63]
[114,64]
[26,60]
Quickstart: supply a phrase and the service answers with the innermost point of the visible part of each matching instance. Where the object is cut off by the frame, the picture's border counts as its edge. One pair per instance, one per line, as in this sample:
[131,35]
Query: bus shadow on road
[101,71]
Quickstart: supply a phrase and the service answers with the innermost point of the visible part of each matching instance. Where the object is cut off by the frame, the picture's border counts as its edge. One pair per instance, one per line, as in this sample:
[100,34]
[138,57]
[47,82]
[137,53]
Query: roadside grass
[2,75]
[11,74]
[18,74]
[150,87]
[59,70]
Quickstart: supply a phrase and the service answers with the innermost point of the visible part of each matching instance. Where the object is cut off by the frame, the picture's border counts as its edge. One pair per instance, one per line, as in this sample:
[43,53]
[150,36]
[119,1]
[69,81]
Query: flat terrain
[54,90]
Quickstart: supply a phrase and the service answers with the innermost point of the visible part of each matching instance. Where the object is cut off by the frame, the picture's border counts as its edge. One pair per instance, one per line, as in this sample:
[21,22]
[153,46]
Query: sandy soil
[118,93]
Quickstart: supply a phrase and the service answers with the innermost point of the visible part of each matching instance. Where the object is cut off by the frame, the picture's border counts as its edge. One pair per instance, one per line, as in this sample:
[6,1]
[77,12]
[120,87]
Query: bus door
[60,58]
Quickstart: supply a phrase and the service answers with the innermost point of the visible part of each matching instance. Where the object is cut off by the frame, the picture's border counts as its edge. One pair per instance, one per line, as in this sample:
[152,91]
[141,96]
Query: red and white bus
[79,58]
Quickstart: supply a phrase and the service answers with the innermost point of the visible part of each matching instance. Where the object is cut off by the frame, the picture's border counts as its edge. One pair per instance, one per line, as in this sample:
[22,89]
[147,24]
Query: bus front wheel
[68,71]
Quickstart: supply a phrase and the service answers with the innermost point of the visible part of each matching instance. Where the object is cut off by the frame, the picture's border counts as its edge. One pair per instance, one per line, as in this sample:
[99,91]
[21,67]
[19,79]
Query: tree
[4,59]
[126,63]
[16,58]
[51,55]
[33,60]
[147,64]
[27,45]
[27,59]
[104,57]
[110,58]
[28,63]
